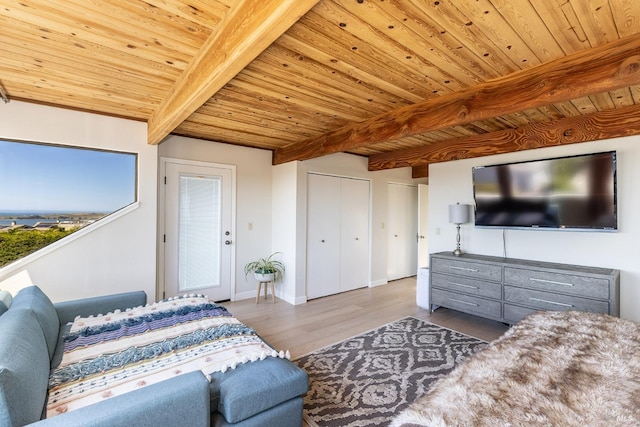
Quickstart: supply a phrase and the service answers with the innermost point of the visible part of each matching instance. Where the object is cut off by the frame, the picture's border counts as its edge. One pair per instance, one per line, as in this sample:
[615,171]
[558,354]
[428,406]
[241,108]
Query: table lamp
[458,214]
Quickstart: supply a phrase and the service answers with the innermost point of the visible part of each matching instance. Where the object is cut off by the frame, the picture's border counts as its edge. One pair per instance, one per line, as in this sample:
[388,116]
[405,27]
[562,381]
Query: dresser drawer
[467,268]
[515,313]
[467,285]
[467,303]
[543,300]
[591,287]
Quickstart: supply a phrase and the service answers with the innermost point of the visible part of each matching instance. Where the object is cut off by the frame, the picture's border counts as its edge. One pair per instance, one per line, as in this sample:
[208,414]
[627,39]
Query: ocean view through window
[48,192]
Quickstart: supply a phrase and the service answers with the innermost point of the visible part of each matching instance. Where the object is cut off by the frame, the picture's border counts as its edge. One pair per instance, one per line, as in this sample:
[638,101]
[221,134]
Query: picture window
[51,191]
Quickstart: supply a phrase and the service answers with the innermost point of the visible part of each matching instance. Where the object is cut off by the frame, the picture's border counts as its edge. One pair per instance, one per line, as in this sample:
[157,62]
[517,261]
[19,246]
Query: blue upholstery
[5,301]
[24,368]
[32,298]
[286,414]
[179,401]
[257,386]
[69,310]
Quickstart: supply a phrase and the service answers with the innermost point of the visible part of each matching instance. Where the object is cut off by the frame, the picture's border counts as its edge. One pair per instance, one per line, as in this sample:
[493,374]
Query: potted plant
[265,269]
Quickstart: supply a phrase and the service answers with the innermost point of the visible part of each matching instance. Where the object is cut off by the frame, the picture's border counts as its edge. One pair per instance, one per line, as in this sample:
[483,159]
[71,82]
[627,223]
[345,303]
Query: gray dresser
[507,289]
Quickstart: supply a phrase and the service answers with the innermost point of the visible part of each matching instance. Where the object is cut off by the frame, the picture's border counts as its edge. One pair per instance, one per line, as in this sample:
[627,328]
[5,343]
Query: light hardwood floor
[304,328]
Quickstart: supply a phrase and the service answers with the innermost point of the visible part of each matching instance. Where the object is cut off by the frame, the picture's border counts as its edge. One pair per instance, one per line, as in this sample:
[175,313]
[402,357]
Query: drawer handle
[473,270]
[463,302]
[553,282]
[551,302]
[464,286]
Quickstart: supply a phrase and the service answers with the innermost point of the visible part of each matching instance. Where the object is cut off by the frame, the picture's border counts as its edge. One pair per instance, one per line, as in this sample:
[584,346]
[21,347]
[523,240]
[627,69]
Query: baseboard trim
[287,298]
[380,282]
[244,295]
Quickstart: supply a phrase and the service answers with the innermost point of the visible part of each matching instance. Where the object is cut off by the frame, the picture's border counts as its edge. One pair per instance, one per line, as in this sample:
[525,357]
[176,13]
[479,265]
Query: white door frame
[162,225]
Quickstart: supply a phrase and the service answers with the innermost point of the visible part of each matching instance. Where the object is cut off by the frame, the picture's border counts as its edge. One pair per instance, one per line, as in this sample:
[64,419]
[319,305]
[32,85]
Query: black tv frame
[542,226]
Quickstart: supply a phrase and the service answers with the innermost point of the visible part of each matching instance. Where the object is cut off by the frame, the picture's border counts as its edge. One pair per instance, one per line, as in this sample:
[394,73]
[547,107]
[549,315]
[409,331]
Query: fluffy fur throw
[551,369]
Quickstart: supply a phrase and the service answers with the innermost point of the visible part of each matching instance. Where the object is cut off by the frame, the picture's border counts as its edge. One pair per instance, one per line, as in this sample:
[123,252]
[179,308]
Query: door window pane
[199,233]
[48,192]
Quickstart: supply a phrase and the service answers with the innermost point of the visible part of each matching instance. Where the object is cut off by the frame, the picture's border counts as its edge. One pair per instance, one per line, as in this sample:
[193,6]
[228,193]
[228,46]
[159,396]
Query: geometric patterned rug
[367,379]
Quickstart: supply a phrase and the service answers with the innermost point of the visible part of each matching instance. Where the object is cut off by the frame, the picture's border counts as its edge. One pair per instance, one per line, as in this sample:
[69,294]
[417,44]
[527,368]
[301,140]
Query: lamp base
[457,251]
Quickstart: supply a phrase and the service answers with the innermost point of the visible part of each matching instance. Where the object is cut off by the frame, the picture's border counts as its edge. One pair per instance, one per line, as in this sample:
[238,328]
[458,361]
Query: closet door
[423,225]
[323,235]
[402,219]
[354,234]
[393,235]
[409,264]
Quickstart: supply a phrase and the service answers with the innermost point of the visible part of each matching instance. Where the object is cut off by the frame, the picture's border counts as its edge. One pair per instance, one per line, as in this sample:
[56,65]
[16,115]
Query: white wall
[253,198]
[286,232]
[117,257]
[451,182]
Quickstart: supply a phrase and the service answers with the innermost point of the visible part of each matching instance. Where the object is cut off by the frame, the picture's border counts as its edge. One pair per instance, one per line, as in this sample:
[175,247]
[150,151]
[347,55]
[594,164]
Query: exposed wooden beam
[600,69]
[420,171]
[592,127]
[248,28]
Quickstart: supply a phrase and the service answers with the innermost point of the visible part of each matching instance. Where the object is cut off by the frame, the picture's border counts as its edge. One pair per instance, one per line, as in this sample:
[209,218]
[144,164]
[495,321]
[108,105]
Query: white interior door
[354,233]
[393,223]
[198,230]
[410,266]
[323,235]
[423,225]
[402,253]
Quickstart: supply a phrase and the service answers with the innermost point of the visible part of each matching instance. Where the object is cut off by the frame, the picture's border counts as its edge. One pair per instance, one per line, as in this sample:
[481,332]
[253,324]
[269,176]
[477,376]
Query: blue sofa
[263,393]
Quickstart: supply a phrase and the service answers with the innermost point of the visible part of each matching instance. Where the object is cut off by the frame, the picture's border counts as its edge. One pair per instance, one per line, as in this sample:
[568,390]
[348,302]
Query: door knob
[227,242]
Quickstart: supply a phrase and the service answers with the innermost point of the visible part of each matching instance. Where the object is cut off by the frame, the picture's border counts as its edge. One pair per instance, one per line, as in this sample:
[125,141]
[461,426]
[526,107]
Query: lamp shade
[458,214]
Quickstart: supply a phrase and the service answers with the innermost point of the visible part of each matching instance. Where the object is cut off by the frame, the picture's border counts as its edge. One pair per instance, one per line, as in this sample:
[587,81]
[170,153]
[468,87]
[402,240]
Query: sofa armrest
[180,401]
[68,310]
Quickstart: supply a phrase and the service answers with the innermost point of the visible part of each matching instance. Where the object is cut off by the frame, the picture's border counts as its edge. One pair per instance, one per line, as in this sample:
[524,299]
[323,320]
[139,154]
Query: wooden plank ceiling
[403,82]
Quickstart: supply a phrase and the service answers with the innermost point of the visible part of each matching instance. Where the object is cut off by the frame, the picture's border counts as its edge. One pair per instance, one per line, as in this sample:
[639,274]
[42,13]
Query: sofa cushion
[287,414]
[32,298]
[24,368]
[255,387]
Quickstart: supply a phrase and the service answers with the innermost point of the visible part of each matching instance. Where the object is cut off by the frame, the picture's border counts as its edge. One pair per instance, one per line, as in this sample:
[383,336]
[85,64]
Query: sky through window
[48,178]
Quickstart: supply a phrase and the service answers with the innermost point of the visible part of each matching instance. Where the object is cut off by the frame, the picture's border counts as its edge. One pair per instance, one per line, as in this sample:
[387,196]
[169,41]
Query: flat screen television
[570,193]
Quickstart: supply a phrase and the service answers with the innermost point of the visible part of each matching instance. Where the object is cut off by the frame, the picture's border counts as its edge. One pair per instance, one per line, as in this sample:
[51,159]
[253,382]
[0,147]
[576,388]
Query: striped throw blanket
[112,354]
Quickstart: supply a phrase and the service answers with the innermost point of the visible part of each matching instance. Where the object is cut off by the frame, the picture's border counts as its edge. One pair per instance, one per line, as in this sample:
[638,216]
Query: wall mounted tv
[572,193]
